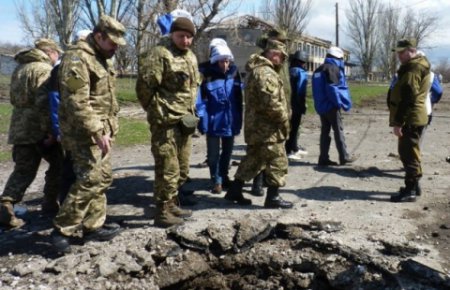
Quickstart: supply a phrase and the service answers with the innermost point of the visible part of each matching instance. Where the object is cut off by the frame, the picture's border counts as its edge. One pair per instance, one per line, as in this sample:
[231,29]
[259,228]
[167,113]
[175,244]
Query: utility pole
[337,24]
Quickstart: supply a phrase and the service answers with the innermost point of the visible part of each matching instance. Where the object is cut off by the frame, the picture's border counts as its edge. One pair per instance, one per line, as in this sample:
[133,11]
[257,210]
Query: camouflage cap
[276,45]
[47,43]
[277,34]
[113,28]
[405,43]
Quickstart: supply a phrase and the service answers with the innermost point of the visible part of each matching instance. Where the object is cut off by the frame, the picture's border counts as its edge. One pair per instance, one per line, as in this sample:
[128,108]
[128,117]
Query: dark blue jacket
[219,101]
[330,89]
[435,90]
[299,82]
[54,99]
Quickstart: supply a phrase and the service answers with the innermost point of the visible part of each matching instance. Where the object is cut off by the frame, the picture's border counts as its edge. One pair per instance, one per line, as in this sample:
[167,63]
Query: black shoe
[60,242]
[404,196]
[226,182]
[277,202]
[105,233]
[327,163]
[187,199]
[257,191]
[348,160]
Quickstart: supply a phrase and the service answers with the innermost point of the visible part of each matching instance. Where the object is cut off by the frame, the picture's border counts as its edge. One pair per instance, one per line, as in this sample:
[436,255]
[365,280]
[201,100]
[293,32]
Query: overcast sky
[321,24]
[322,21]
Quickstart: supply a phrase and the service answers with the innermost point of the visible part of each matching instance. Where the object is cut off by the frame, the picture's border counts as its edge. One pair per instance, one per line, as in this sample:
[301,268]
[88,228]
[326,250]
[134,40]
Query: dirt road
[354,199]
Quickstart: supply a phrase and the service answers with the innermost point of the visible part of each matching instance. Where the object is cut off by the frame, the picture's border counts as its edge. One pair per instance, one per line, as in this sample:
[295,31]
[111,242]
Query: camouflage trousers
[85,204]
[268,157]
[171,150]
[409,151]
[27,158]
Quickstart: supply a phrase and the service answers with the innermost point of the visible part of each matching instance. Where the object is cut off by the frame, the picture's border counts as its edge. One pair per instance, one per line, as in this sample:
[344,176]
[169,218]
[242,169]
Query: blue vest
[329,86]
[219,102]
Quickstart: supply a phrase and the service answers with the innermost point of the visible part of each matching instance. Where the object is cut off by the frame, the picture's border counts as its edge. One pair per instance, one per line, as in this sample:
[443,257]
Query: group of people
[67,115]
[181,96]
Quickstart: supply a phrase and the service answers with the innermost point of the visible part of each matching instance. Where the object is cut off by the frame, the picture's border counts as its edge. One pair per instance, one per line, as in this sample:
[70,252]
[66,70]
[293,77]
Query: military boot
[257,186]
[164,218]
[50,205]
[406,194]
[418,188]
[174,208]
[234,194]
[273,199]
[7,217]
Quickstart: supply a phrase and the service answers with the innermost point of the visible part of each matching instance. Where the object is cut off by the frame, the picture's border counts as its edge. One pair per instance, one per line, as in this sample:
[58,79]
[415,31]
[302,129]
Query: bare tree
[443,68]
[388,23]
[36,19]
[289,15]
[418,24]
[362,24]
[65,14]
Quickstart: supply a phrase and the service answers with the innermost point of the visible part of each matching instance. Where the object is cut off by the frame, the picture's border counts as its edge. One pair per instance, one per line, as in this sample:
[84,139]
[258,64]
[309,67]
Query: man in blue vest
[331,95]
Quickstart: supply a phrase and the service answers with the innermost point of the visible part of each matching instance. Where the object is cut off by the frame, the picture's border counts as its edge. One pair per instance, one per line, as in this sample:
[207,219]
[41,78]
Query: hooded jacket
[88,106]
[408,96]
[329,86]
[266,113]
[28,95]
[219,101]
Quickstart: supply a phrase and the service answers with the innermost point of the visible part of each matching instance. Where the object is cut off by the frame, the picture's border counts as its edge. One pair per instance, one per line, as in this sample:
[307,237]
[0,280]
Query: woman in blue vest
[219,107]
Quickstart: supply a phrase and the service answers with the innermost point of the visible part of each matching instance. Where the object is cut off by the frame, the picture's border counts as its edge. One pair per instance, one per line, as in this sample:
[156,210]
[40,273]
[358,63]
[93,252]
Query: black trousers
[291,143]
[332,120]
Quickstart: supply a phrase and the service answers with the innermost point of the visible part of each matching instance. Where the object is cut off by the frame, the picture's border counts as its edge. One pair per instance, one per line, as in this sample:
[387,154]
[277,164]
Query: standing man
[331,95]
[29,131]
[88,121]
[167,88]
[299,83]
[408,114]
[266,127]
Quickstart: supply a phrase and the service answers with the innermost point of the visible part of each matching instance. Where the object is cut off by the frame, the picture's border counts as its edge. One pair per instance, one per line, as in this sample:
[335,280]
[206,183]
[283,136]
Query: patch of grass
[5,117]
[359,91]
[132,132]
[4,86]
[125,90]
[5,155]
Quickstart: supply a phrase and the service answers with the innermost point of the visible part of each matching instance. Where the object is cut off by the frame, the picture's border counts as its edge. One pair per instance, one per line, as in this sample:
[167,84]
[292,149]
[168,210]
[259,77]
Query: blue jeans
[219,162]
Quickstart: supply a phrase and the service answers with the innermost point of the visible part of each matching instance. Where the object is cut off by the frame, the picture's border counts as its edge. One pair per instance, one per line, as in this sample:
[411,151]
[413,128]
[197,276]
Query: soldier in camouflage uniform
[167,88]
[266,127]
[29,129]
[280,35]
[88,120]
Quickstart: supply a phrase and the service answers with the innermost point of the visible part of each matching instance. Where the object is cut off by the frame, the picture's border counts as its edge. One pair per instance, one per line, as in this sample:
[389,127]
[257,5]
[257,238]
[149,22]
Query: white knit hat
[216,42]
[220,52]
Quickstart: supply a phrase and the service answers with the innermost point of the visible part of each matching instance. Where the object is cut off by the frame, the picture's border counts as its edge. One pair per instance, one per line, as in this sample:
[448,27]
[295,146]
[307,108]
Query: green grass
[125,90]
[359,92]
[5,116]
[4,85]
[133,132]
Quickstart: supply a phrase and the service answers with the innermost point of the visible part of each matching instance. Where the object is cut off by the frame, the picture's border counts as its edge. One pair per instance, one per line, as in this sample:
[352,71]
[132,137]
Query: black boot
[407,194]
[257,186]
[234,194]
[273,199]
[186,197]
[418,189]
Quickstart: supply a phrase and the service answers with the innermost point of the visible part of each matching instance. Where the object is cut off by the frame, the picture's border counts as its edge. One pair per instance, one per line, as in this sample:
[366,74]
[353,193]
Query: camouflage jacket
[28,95]
[167,83]
[266,114]
[408,95]
[88,105]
